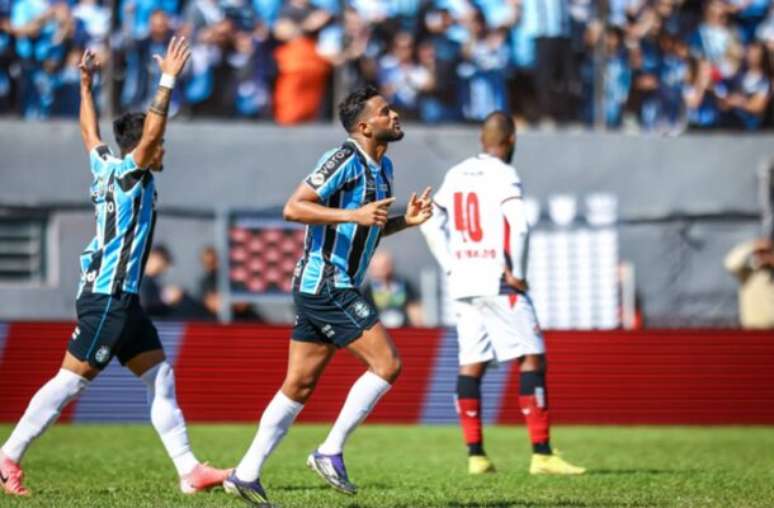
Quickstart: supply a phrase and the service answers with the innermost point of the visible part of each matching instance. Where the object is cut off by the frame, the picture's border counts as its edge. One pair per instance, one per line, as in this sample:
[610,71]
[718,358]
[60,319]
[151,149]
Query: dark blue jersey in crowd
[339,254]
[124,198]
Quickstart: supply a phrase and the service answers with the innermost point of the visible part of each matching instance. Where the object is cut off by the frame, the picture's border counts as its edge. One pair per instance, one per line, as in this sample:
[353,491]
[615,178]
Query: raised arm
[88,114]
[171,66]
[304,206]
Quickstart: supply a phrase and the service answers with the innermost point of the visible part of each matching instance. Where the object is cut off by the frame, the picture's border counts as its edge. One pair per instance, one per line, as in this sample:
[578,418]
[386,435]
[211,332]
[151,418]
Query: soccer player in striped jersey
[110,319]
[479,235]
[345,203]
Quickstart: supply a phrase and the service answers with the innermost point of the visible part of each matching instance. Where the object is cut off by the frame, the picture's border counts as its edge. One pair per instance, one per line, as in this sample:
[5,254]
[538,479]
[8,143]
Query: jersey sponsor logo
[102,354]
[329,167]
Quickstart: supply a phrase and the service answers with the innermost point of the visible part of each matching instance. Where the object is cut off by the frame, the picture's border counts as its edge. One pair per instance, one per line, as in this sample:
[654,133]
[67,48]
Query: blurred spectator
[394,297]
[482,71]
[6,56]
[750,90]
[555,78]
[142,74]
[302,73]
[165,301]
[699,94]
[673,73]
[209,278]
[753,265]
[209,295]
[136,15]
[714,40]
[617,79]
[401,78]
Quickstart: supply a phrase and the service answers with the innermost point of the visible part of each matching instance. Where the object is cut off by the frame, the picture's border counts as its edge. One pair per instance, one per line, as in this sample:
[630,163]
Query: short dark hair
[127,129]
[162,250]
[352,106]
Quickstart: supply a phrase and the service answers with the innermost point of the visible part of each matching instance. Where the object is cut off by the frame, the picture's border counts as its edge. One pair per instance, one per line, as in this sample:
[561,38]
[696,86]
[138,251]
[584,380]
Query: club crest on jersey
[361,309]
[102,354]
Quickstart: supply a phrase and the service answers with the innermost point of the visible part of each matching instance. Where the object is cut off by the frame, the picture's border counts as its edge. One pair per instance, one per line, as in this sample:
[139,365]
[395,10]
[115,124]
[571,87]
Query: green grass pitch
[413,466]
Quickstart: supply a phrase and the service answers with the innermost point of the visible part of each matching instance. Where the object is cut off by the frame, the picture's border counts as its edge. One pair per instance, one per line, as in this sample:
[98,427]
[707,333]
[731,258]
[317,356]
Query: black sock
[542,448]
[476,449]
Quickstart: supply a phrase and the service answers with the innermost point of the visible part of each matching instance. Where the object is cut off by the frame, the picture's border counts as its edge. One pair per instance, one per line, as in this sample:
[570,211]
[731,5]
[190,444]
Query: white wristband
[167,81]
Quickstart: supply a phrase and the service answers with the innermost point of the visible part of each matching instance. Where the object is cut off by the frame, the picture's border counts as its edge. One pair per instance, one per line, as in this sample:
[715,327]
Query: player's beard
[389,136]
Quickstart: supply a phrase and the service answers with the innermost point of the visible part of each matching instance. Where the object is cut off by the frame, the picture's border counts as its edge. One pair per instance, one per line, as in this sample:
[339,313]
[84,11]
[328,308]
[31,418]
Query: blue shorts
[336,316]
[111,325]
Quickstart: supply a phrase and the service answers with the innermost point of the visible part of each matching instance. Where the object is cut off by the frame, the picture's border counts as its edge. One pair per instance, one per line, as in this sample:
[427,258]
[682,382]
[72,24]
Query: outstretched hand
[177,55]
[419,209]
[88,67]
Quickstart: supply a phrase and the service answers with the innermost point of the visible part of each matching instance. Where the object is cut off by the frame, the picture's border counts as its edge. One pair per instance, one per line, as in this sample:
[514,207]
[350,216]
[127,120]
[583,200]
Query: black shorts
[111,325]
[335,316]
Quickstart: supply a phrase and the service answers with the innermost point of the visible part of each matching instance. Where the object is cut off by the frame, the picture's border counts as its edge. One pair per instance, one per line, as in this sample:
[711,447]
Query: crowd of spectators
[661,65]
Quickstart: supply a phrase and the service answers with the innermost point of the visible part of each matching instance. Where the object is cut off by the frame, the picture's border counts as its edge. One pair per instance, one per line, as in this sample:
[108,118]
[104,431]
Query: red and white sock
[533,400]
[469,410]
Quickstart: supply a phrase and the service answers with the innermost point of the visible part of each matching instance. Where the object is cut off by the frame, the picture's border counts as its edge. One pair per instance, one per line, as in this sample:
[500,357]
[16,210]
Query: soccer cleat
[11,476]
[251,492]
[553,464]
[480,464]
[202,477]
[331,468]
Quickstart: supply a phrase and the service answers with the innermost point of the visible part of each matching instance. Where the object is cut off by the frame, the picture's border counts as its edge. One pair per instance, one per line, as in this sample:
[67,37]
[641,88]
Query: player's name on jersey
[475,254]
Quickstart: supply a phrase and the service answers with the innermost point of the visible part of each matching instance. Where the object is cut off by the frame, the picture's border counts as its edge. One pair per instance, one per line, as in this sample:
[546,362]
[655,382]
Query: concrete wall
[683,201]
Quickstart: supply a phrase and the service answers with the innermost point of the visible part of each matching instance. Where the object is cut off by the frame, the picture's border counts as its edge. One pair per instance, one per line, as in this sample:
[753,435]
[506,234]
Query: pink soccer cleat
[11,476]
[203,477]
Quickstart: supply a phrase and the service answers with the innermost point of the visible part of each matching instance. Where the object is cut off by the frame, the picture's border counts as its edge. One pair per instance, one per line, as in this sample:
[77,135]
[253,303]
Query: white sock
[362,398]
[43,410]
[167,418]
[275,422]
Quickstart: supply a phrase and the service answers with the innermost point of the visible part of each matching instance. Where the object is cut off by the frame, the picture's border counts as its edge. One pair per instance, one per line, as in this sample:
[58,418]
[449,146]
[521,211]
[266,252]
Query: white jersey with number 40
[479,216]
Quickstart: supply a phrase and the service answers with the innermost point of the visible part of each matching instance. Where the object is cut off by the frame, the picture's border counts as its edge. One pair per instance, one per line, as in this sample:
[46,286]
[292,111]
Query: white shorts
[497,328]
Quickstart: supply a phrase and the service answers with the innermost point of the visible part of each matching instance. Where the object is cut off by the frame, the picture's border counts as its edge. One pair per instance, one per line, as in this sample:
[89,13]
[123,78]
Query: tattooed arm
[171,65]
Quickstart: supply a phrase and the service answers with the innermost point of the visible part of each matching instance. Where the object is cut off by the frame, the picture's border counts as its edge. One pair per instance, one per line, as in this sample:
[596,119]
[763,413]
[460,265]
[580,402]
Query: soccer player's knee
[160,381]
[71,383]
[299,388]
[390,369]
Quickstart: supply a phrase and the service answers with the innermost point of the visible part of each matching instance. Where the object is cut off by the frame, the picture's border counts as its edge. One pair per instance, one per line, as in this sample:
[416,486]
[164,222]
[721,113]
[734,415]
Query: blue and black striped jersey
[339,254]
[124,199]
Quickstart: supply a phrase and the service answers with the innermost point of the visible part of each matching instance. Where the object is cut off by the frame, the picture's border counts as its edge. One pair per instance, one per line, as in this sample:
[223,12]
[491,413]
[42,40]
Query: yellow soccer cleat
[480,464]
[553,464]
